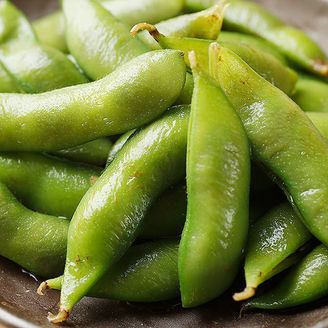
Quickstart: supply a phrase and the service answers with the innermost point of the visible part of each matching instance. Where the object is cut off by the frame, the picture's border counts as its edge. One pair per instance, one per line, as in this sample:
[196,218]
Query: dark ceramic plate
[20,306]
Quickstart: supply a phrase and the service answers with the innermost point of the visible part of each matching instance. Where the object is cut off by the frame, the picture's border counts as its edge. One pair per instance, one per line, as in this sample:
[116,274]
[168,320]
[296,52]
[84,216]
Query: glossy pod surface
[281,135]
[262,62]
[133,95]
[35,241]
[46,184]
[305,283]
[99,42]
[108,218]
[272,239]
[93,152]
[148,272]
[35,68]
[218,177]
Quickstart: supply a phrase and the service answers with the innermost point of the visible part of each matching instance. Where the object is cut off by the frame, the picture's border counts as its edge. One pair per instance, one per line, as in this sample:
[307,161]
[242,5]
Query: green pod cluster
[276,128]
[35,241]
[109,216]
[51,29]
[148,272]
[298,47]
[218,177]
[304,283]
[273,243]
[45,184]
[133,95]
[311,94]
[94,152]
[262,62]
[34,68]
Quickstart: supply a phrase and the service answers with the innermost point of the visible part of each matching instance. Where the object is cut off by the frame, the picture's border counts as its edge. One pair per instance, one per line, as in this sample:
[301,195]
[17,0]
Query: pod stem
[247,293]
[42,288]
[152,30]
[213,58]
[60,317]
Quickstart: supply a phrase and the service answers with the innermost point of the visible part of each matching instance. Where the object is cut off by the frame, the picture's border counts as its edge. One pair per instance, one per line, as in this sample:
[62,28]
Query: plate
[20,306]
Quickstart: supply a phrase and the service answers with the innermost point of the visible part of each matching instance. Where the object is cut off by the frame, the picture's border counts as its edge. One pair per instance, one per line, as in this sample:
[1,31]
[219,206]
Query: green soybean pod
[304,283]
[133,95]
[218,178]
[98,40]
[253,41]
[311,94]
[14,25]
[45,184]
[249,17]
[39,69]
[276,128]
[94,152]
[35,241]
[148,272]
[263,63]
[35,68]
[109,216]
[273,240]
[50,31]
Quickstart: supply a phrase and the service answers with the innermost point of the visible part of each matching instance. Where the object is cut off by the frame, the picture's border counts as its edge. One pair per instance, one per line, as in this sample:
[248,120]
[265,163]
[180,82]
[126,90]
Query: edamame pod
[311,94]
[35,68]
[99,42]
[51,28]
[50,31]
[218,177]
[249,17]
[305,283]
[44,184]
[205,24]
[263,63]
[276,128]
[109,216]
[14,25]
[133,95]
[272,239]
[93,152]
[35,241]
[197,5]
[148,272]
[252,41]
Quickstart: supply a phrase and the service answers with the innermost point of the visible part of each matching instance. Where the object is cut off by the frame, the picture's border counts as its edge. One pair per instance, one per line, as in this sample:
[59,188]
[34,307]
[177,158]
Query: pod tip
[61,316]
[153,31]
[247,293]
[41,289]
[321,67]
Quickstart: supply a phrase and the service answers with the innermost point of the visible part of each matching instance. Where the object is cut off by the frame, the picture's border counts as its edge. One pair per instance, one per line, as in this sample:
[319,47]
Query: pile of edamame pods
[153,150]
